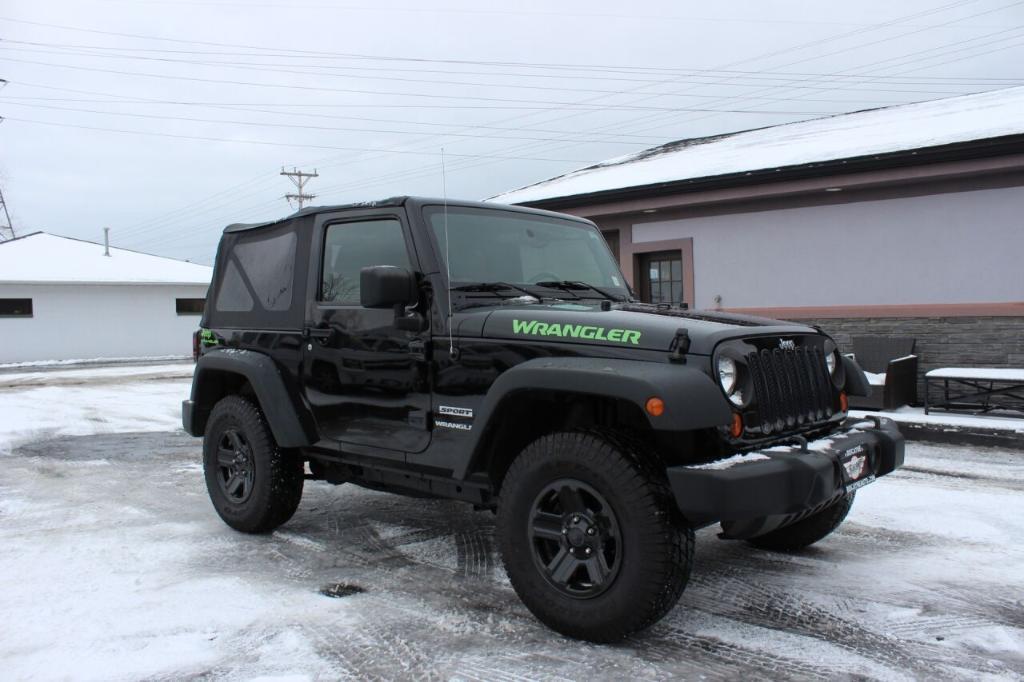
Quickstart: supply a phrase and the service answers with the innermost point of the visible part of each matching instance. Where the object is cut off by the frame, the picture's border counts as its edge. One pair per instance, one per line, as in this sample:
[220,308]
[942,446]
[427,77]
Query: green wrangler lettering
[575,331]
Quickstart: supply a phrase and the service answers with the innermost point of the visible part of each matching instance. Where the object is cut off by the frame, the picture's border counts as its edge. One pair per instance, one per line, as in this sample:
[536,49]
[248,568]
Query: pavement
[115,567]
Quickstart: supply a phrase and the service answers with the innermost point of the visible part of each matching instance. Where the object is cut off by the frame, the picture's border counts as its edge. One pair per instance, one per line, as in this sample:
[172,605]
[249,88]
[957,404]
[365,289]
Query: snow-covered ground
[40,404]
[114,566]
[999,421]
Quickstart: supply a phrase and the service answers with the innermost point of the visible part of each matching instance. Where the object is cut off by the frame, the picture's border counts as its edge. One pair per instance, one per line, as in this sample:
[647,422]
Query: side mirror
[386,286]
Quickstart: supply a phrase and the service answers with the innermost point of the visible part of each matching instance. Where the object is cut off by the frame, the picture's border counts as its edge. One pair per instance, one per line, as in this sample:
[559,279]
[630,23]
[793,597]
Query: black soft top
[260,274]
[394,201]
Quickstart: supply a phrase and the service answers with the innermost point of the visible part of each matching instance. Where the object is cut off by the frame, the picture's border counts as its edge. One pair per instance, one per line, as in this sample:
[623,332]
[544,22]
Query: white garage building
[65,299]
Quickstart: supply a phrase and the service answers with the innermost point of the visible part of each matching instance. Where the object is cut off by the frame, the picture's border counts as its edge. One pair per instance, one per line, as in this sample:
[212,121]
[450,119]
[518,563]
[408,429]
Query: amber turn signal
[655,407]
[736,430]
[844,403]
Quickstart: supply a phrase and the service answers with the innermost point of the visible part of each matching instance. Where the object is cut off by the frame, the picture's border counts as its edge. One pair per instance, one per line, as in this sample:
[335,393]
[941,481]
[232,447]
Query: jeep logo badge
[787,344]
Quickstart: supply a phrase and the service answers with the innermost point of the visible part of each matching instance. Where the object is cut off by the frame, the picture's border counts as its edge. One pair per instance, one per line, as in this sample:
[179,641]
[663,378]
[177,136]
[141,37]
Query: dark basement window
[15,307]
[189,306]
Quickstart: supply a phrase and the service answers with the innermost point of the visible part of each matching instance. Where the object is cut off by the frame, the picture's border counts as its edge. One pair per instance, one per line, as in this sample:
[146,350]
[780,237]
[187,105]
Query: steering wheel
[544,277]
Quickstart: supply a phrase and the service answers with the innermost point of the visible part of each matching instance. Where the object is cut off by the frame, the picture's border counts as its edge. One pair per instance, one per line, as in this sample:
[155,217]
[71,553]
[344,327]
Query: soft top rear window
[260,283]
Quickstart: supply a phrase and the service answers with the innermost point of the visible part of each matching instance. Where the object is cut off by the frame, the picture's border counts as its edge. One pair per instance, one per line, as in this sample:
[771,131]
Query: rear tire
[806,532]
[254,486]
[591,537]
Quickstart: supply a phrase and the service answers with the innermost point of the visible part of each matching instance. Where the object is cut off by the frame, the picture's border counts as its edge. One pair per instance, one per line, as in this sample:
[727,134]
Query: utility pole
[300,179]
[6,228]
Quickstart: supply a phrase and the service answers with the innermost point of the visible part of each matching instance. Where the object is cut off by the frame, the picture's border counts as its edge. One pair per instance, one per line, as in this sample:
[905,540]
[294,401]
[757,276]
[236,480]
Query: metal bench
[972,388]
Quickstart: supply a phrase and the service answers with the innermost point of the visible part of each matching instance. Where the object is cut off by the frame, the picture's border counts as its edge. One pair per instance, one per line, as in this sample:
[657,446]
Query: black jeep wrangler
[496,355]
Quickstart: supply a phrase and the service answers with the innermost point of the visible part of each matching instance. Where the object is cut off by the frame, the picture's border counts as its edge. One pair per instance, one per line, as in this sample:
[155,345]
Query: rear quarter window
[260,281]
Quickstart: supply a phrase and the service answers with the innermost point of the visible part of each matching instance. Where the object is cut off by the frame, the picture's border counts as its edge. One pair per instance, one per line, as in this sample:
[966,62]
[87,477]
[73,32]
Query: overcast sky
[168,119]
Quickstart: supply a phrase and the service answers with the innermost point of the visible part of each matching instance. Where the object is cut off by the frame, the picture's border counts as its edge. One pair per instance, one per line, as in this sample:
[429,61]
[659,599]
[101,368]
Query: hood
[627,325]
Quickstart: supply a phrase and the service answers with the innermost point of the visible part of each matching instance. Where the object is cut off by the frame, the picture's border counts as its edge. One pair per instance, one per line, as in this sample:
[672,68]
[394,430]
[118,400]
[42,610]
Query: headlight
[831,362]
[727,374]
[728,378]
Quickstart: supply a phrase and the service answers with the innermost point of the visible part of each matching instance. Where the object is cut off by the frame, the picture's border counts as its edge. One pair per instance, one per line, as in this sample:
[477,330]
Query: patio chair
[891,368]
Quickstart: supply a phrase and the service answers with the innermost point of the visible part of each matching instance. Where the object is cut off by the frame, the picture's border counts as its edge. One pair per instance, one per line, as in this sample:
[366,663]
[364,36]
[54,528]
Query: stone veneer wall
[941,341]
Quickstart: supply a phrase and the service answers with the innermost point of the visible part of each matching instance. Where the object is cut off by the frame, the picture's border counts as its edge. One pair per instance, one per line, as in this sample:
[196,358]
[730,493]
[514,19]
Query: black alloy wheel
[576,541]
[236,468]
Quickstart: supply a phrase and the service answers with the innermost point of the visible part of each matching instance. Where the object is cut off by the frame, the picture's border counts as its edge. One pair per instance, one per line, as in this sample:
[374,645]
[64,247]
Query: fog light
[655,407]
[844,402]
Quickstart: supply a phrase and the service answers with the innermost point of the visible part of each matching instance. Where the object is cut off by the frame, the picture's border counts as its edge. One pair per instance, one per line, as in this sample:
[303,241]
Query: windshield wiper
[493,287]
[573,286]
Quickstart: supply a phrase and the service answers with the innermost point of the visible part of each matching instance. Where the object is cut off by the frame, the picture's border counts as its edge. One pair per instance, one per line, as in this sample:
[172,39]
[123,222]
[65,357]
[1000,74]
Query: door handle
[320,333]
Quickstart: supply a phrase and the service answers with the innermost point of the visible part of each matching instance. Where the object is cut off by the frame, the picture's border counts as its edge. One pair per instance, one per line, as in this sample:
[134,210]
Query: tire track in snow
[728,593]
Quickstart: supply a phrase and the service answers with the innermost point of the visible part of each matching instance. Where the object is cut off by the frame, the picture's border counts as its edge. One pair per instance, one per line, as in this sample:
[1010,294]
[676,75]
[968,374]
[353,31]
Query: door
[661,277]
[366,381]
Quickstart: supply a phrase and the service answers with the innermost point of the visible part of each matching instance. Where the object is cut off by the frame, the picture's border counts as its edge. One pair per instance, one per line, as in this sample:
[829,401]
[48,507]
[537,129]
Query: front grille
[791,388]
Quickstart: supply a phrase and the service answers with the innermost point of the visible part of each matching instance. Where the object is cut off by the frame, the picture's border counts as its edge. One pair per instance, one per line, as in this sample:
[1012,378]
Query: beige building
[902,220]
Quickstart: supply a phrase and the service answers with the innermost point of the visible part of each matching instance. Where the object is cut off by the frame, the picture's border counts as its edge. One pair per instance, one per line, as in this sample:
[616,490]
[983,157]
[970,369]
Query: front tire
[590,536]
[254,486]
[806,532]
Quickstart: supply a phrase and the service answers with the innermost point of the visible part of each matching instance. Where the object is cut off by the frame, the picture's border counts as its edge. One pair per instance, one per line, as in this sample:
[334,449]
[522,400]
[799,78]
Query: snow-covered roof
[41,257]
[877,131]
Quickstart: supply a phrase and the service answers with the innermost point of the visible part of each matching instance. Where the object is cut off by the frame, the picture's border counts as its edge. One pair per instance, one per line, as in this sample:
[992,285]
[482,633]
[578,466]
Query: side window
[261,270]
[350,247]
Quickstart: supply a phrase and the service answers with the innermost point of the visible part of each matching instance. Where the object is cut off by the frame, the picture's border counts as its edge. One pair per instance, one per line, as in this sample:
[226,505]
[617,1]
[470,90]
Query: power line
[573,70]
[431,9]
[301,126]
[514,101]
[475,62]
[239,107]
[280,144]
[317,69]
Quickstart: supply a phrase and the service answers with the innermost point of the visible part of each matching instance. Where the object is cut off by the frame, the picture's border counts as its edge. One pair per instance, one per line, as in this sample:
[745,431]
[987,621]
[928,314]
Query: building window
[661,277]
[189,306]
[15,307]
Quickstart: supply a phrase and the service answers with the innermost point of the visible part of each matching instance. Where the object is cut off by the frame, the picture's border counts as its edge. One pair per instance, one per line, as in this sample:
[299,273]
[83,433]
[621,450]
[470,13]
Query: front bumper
[754,493]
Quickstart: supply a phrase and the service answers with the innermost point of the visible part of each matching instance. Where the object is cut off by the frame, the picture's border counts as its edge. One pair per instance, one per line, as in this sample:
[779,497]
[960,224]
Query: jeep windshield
[509,254]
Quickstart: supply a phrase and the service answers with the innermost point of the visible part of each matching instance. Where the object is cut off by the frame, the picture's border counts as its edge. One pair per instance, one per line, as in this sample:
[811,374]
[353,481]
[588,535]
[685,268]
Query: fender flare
[290,427]
[692,399]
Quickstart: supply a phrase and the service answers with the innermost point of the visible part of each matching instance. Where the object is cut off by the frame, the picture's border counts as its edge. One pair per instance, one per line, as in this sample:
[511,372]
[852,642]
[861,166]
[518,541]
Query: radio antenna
[447,259]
